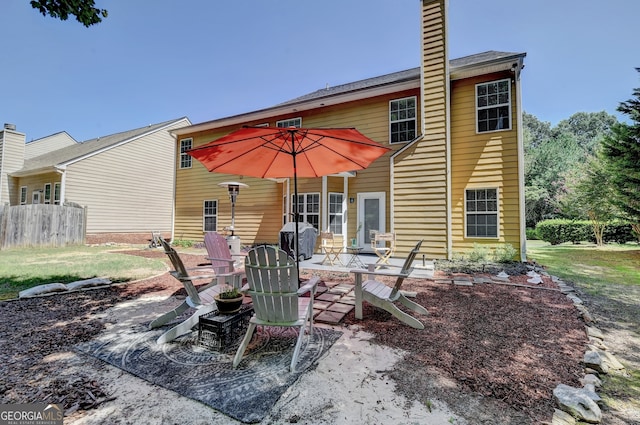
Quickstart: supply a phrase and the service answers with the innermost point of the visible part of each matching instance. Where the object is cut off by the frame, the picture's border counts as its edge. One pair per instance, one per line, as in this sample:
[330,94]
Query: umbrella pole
[296,214]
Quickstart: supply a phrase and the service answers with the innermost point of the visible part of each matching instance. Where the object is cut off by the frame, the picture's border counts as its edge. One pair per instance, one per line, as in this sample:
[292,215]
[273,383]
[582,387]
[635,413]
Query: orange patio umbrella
[273,152]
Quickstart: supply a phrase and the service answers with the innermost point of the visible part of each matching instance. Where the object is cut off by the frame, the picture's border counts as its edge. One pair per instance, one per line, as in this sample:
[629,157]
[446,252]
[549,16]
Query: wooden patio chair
[219,254]
[385,297]
[331,245]
[384,245]
[200,299]
[274,288]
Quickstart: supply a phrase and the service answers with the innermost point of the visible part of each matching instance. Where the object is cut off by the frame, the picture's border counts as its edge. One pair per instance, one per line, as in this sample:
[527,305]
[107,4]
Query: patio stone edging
[56,287]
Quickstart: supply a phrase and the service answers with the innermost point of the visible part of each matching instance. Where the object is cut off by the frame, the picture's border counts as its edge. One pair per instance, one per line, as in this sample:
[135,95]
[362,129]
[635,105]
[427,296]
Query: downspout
[2,172]
[175,183]
[392,204]
[447,108]
[63,183]
[324,219]
[345,218]
[523,225]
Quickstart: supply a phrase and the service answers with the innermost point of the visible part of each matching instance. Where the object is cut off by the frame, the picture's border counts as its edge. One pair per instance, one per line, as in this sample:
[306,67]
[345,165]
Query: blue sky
[152,61]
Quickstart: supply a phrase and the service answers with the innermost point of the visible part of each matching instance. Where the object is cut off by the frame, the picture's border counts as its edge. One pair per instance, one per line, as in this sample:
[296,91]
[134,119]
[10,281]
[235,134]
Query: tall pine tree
[621,154]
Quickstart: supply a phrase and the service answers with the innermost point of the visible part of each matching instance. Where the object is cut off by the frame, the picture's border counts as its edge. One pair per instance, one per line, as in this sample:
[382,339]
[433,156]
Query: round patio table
[355,260]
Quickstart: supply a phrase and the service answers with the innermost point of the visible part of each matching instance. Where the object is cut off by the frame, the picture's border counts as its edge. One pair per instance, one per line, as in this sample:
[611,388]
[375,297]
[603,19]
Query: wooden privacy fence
[42,225]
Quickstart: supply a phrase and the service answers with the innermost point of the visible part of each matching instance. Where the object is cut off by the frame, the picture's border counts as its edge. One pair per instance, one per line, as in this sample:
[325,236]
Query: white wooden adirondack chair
[202,300]
[273,285]
[385,297]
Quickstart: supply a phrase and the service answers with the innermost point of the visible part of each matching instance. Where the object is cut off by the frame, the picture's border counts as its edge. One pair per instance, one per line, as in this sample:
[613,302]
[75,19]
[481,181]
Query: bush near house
[560,231]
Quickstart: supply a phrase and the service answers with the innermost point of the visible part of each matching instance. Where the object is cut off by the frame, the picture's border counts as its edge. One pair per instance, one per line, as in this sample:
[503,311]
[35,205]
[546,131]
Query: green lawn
[611,276]
[24,268]
[592,266]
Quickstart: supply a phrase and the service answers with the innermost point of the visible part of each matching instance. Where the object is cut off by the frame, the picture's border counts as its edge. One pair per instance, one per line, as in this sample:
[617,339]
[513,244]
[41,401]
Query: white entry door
[372,214]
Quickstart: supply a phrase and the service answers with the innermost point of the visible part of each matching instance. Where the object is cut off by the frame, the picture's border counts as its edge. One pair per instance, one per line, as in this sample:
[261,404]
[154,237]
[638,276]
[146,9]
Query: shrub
[183,243]
[479,253]
[618,232]
[504,253]
[532,234]
[559,231]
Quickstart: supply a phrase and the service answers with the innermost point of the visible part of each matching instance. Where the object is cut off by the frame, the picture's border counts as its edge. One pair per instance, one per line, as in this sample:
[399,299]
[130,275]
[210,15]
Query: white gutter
[391,178]
[324,220]
[447,111]
[523,223]
[2,157]
[345,204]
[63,184]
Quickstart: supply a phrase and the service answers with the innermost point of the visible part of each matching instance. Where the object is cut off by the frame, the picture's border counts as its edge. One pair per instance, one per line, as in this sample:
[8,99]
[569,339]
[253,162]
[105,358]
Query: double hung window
[210,216]
[402,120]
[185,158]
[308,208]
[336,212]
[481,207]
[493,106]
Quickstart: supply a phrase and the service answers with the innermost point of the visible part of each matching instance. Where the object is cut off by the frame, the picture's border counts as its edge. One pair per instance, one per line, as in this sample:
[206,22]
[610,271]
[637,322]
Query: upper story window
[481,207]
[185,158]
[493,106]
[293,122]
[23,195]
[402,120]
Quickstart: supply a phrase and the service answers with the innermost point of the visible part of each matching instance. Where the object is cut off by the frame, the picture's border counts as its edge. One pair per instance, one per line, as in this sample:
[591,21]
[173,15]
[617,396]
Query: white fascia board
[496,65]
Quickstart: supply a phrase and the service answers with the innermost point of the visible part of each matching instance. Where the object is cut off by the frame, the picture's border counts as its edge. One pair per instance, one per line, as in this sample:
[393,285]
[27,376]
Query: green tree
[84,10]
[535,131]
[588,128]
[587,195]
[621,155]
[552,153]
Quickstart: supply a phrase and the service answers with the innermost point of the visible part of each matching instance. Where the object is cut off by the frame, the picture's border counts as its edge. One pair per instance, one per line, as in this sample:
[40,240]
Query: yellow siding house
[453,177]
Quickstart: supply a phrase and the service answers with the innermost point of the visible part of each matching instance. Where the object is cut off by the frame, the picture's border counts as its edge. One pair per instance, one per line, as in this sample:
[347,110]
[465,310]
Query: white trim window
[336,212]
[56,193]
[185,158]
[403,121]
[47,193]
[35,197]
[493,106]
[293,122]
[23,195]
[481,213]
[210,215]
[309,206]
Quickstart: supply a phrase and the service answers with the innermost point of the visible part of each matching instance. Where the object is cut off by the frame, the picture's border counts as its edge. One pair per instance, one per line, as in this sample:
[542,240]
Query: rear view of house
[453,177]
